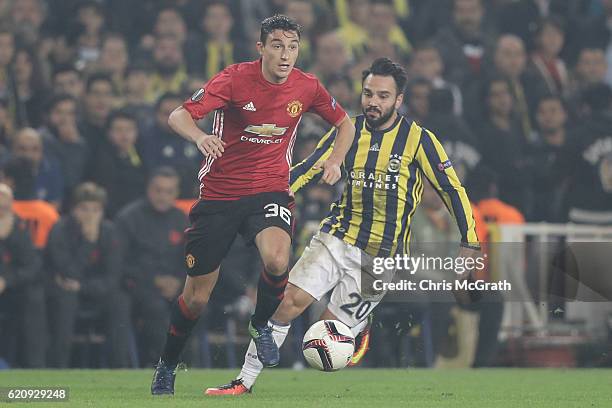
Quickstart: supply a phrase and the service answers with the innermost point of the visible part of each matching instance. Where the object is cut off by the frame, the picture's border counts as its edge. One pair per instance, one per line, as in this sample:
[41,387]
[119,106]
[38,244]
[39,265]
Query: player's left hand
[466,297]
[467,252]
[331,171]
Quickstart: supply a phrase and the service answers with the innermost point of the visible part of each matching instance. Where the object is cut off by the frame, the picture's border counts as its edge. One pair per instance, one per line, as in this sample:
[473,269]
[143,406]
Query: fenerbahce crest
[294,108]
[395,163]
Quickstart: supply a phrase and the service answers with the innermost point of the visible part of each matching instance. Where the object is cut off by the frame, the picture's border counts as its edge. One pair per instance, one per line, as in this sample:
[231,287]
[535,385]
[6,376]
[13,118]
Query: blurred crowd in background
[97,187]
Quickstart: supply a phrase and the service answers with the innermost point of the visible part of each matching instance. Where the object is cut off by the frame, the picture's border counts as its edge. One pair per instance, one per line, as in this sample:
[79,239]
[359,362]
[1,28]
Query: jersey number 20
[363,306]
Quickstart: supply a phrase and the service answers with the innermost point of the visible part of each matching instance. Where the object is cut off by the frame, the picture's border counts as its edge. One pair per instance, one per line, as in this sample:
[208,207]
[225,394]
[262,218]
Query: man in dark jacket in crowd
[462,43]
[151,232]
[163,148]
[84,267]
[590,160]
[118,166]
[63,140]
[545,156]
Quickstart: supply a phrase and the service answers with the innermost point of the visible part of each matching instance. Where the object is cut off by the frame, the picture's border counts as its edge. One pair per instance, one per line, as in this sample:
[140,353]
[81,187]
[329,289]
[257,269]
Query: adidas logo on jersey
[250,107]
[375,148]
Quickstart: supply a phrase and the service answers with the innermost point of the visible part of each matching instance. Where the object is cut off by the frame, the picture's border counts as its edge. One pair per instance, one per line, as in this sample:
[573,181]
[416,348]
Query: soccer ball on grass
[328,345]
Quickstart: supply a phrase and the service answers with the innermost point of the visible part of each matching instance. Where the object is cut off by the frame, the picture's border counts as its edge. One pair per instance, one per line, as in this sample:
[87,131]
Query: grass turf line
[374,388]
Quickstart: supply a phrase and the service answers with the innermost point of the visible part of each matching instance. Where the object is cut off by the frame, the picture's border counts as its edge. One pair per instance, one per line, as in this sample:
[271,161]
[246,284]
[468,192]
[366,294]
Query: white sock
[360,326]
[252,367]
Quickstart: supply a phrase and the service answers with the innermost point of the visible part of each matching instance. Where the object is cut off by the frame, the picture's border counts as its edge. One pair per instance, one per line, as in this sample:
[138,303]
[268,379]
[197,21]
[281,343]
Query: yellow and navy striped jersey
[385,170]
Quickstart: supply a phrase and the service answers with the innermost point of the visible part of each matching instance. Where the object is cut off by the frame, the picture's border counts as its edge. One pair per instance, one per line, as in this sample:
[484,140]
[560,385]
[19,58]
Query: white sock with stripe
[252,367]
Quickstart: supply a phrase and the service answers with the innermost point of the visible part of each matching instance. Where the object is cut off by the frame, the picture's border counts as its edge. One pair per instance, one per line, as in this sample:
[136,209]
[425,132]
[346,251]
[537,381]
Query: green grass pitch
[375,388]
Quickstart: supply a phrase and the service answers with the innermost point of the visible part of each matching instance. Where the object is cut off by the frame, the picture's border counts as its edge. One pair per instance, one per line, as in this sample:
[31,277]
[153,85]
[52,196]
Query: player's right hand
[210,145]
[331,171]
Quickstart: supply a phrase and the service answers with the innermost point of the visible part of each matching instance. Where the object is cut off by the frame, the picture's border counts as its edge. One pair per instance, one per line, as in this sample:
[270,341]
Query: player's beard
[376,123]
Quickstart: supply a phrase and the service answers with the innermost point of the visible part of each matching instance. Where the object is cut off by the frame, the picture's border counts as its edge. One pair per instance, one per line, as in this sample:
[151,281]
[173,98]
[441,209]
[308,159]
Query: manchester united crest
[294,108]
[190,260]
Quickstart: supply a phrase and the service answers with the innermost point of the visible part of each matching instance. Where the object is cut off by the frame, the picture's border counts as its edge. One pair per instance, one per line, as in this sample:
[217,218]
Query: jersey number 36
[275,210]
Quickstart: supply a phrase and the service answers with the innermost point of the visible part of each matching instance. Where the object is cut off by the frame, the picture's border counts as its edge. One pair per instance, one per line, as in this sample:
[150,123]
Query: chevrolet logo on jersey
[267,130]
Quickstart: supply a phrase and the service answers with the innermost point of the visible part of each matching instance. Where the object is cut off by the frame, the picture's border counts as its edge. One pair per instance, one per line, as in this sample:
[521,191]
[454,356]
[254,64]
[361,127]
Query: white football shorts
[329,263]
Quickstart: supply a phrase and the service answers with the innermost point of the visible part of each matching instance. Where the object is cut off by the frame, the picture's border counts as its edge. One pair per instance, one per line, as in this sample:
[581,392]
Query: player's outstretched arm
[307,170]
[181,122]
[342,144]
[439,171]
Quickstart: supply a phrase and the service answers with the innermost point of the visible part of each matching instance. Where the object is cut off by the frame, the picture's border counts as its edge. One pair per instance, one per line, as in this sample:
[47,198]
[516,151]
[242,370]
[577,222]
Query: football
[328,345]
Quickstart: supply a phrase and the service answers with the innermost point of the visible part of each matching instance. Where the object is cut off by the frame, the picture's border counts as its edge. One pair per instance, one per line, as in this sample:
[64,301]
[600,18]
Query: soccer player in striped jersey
[386,166]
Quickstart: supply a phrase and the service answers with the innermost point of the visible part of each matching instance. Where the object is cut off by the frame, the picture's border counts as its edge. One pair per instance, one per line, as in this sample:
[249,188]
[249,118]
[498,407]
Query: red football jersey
[258,121]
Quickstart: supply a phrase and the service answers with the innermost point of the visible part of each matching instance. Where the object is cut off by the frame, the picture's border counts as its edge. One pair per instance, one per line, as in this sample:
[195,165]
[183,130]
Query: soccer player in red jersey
[245,180]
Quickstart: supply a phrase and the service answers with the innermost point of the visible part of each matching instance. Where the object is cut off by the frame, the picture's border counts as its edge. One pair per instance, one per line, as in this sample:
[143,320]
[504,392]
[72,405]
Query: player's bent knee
[274,246]
[198,289]
[277,263]
[196,301]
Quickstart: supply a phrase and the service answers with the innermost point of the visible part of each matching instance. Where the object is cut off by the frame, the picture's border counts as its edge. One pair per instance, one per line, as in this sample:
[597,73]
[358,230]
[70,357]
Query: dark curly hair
[278,22]
[385,67]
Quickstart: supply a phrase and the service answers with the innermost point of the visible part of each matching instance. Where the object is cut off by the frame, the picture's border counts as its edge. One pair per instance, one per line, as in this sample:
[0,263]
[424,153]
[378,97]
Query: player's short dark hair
[89,191]
[56,99]
[385,67]
[120,114]
[96,77]
[278,22]
[164,171]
